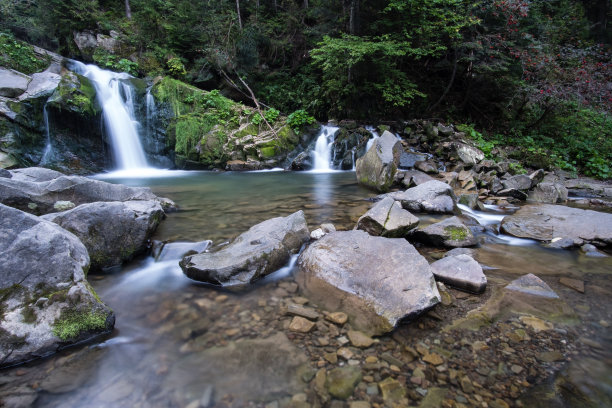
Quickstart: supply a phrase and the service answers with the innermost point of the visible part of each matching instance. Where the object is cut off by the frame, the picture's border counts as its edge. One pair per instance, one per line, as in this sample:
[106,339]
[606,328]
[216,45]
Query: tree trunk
[353,15]
[305,4]
[238,11]
[128,10]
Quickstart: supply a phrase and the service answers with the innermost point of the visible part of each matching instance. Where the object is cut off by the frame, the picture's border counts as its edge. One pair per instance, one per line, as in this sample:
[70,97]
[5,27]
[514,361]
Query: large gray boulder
[376,281]
[467,154]
[548,193]
[460,271]
[581,187]
[387,218]
[518,182]
[263,249]
[549,222]
[40,197]
[377,168]
[451,232]
[431,197]
[45,300]
[13,83]
[112,232]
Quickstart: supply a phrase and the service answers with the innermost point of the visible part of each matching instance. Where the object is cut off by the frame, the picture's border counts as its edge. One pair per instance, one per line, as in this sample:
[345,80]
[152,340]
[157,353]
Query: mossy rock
[75,93]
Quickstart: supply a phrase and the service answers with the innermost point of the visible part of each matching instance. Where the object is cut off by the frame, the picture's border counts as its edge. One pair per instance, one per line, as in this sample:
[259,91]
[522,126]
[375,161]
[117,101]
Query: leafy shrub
[110,61]
[271,115]
[299,118]
[20,56]
[176,67]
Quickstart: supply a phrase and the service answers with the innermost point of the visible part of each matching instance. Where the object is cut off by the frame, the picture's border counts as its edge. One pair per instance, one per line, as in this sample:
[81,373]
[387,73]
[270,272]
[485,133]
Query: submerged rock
[448,233]
[112,232]
[376,281]
[553,222]
[45,299]
[460,271]
[432,196]
[387,218]
[263,249]
[377,168]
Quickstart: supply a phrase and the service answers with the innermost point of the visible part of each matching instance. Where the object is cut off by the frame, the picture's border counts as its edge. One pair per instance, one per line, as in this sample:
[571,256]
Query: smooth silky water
[163,351]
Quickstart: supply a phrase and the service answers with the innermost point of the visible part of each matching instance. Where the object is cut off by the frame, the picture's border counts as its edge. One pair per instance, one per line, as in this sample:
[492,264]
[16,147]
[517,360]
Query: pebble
[575,284]
[299,310]
[549,356]
[466,385]
[331,357]
[516,369]
[359,404]
[323,341]
[536,324]
[433,358]
[371,359]
[391,389]
[337,317]
[221,298]
[359,339]
[342,340]
[301,325]
[345,353]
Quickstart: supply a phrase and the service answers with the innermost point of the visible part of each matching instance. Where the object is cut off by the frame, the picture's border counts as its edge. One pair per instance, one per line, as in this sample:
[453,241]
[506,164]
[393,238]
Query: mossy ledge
[207,130]
[73,323]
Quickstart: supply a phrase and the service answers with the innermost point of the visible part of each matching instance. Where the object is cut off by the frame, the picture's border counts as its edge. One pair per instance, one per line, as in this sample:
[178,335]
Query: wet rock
[433,359]
[359,339]
[460,251]
[376,281]
[536,177]
[299,310]
[13,83]
[263,249]
[469,200]
[547,222]
[532,285]
[408,160]
[433,197]
[163,251]
[52,268]
[377,168]
[575,284]
[513,192]
[387,218]
[412,178]
[337,317]
[391,390]
[518,182]
[317,234]
[591,250]
[466,153]
[341,381]
[246,369]
[589,188]
[112,232]
[548,193]
[5,173]
[450,232]
[427,166]
[43,191]
[301,325]
[460,271]
[241,165]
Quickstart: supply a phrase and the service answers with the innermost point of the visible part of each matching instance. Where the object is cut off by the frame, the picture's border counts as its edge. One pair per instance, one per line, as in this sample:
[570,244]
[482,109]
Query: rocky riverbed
[179,343]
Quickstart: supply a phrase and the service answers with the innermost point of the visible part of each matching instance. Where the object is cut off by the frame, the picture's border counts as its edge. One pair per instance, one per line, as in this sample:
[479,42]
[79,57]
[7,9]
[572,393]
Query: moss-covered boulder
[207,130]
[45,301]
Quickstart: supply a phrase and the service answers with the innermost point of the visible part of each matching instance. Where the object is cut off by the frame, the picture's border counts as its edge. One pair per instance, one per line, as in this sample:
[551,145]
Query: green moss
[250,129]
[456,233]
[20,56]
[73,323]
[268,152]
[76,93]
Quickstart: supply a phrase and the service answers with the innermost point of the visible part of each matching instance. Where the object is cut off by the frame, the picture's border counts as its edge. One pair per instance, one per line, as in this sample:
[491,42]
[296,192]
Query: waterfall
[375,136]
[323,146]
[151,113]
[47,154]
[116,100]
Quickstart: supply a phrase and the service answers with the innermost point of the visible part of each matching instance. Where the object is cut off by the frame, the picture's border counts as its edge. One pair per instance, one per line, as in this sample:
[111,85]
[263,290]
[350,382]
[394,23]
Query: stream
[174,342]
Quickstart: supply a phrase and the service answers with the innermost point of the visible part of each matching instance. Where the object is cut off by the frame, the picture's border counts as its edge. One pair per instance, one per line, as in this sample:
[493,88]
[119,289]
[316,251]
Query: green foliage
[257,119]
[486,145]
[271,115]
[299,119]
[176,68]
[20,56]
[72,323]
[109,61]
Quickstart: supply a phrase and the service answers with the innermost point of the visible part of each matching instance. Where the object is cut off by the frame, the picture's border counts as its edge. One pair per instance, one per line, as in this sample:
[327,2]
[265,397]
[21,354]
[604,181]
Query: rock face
[433,197]
[460,271]
[377,168]
[376,281]
[547,222]
[387,218]
[45,299]
[448,233]
[13,83]
[263,249]
[112,232]
[39,197]
[548,193]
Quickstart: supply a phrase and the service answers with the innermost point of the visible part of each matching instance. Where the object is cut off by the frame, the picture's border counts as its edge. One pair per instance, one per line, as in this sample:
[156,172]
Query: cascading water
[375,136]
[48,153]
[323,146]
[116,100]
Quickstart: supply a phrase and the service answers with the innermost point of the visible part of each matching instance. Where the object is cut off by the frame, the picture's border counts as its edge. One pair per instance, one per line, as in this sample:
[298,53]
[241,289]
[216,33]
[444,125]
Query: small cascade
[151,112]
[48,153]
[116,100]
[323,147]
[375,136]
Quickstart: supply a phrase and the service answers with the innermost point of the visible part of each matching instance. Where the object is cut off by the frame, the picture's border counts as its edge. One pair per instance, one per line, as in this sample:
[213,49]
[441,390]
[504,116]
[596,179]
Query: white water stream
[323,146]
[116,100]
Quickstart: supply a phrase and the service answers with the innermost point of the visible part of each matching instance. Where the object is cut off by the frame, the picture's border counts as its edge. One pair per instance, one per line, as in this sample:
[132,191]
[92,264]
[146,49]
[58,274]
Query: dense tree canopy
[526,70]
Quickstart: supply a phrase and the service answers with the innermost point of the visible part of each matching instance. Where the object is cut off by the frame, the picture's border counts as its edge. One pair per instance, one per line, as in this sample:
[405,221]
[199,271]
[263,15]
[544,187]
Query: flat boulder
[112,232]
[387,218]
[451,232]
[548,193]
[46,302]
[377,168]
[376,281]
[460,271]
[13,83]
[549,223]
[37,190]
[263,249]
[430,197]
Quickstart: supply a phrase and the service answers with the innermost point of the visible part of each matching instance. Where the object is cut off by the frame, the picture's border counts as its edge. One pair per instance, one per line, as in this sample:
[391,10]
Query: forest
[532,74]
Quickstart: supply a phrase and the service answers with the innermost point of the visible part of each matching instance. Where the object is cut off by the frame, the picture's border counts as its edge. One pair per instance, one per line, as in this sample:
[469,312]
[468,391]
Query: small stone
[317,234]
[359,339]
[300,300]
[391,389]
[359,404]
[535,323]
[371,360]
[394,368]
[549,356]
[466,385]
[345,353]
[389,358]
[372,389]
[516,369]
[341,381]
[342,340]
[479,346]
[221,298]
[499,403]
[323,341]
[301,397]
[232,332]
[299,310]
[331,357]
[301,325]
[337,317]
[433,358]
[575,284]
[604,323]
